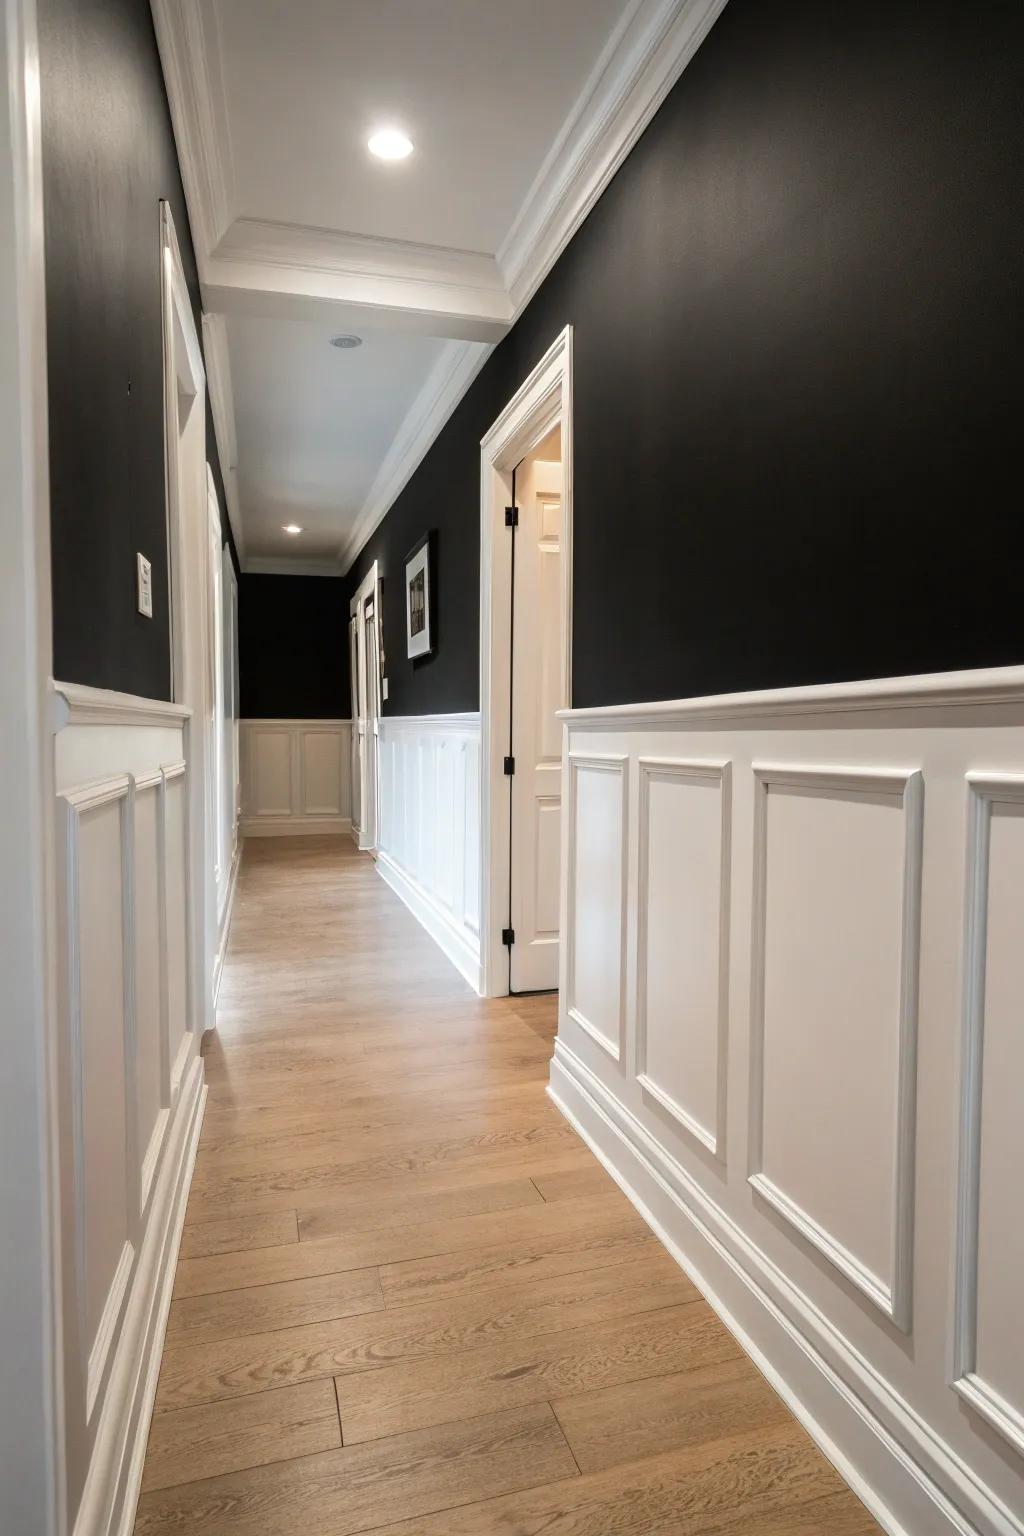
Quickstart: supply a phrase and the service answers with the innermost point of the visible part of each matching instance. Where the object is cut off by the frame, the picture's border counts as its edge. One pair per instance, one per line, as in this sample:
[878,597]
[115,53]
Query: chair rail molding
[790,881]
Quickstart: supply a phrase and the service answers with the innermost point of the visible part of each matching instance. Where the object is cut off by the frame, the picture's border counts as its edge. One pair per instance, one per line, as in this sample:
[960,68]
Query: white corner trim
[933,690]
[222,405]
[75,704]
[639,65]
[271,565]
[442,930]
[445,385]
[189,47]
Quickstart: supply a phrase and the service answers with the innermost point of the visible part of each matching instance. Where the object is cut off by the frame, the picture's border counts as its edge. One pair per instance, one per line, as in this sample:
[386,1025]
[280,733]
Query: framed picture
[418,627]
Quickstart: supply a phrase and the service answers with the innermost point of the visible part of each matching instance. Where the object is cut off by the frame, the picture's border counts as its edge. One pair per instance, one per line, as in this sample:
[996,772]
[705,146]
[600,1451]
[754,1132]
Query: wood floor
[409,1300]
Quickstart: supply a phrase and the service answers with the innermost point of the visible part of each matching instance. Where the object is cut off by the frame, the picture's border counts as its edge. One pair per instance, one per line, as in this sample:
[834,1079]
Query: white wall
[429,849]
[790,922]
[296,776]
[130,1077]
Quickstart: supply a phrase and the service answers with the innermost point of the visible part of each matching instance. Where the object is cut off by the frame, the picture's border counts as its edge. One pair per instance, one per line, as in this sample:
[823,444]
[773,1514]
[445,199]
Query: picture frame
[419,628]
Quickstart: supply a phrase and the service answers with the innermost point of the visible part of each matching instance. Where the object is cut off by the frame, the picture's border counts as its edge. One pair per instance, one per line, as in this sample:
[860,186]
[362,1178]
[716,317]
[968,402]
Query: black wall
[108,159]
[293,648]
[797,316]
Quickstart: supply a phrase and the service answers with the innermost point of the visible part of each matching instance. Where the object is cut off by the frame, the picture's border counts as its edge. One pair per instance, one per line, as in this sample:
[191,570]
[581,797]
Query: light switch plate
[384,688]
[145,585]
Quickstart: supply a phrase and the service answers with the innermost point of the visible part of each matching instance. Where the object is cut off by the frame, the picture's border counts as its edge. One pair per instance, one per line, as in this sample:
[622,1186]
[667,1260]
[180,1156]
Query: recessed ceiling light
[345,342]
[292,528]
[389,144]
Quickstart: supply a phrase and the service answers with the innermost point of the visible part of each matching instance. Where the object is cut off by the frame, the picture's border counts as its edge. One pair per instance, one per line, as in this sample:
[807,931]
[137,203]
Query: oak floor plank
[319,1221]
[575,1183]
[195,1373]
[191,1443]
[358,1487]
[417,1394]
[230,1314]
[410,1240]
[228,1234]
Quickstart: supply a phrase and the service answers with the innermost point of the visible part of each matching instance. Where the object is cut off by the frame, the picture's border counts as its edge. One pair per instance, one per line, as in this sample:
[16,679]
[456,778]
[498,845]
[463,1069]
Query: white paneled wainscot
[791,1011]
[429,847]
[296,776]
[130,1078]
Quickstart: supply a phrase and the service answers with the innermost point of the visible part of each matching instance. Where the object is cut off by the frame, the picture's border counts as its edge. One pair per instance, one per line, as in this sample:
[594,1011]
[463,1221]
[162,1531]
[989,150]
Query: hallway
[408,1298]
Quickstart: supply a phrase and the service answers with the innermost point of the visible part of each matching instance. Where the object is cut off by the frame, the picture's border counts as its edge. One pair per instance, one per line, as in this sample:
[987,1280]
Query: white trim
[700,771]
[919,1483]
[289,722]
[462,720]
[294,826]
[639,65]
[603,762]
[544,398]
[274,565]
[75,704]
[225,922]
[984,791]
[906,786]
[222,405]
[445,385]
[433,918]
[932,690]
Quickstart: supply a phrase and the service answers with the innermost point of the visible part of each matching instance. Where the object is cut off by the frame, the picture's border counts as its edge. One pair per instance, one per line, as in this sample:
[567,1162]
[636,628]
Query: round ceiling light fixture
[346,343]
[292,528]
[389,144]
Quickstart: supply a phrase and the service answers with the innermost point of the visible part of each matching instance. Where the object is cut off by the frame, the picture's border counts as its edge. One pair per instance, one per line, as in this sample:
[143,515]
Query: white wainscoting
[790,1025]
[296,777]
[130,1077]
[429,850]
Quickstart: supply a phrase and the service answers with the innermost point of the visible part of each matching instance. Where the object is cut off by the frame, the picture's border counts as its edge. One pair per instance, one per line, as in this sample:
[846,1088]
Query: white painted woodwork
[763,1017]
[364,609]
[537,696]
[151,1057]
[296,776]
[429,849]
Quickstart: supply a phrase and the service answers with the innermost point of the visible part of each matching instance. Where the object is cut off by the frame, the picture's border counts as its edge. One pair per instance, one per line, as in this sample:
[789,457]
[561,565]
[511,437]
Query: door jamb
[368,587]
[543,400]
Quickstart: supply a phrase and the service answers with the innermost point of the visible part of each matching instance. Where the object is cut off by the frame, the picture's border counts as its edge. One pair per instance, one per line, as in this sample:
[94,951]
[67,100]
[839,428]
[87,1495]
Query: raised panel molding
[990,795]
[595,978]
[296,777]
[710,946]
[903,791]
[429,849]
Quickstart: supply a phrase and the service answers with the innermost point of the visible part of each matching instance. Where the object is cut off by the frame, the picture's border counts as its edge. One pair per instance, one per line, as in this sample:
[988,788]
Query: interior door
[357,755]
[370,689]
[536,737]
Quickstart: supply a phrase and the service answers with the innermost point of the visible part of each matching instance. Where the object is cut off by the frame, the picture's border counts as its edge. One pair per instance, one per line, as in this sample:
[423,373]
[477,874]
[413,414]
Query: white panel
[471,867]
[321,773]
[682,996]
[271,773]
[597,916]
[990,1340]
[148,930]
[445,822]
[177,946]
[838,857]
[548,833]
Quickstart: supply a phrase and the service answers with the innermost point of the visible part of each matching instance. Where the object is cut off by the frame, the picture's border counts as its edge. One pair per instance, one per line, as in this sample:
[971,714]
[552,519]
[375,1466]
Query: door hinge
[511,517]
[510,767]
[508,936]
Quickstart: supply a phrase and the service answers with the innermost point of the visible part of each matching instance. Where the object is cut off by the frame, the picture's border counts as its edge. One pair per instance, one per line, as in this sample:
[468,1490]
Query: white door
[353,663]
[369,725]
[536,731]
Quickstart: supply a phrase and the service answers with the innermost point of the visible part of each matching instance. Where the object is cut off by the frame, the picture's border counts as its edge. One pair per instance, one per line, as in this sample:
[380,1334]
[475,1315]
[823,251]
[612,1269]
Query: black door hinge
[508,936]
[510,767]
[511,517]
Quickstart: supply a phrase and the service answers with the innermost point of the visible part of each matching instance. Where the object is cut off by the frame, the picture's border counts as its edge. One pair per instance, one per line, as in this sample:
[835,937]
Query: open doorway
[364,661]
[525,674]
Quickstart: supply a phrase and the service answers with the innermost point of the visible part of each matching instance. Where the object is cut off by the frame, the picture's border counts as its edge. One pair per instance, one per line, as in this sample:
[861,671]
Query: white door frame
[32,1419]
[543,401]
[365,716]
[190,606]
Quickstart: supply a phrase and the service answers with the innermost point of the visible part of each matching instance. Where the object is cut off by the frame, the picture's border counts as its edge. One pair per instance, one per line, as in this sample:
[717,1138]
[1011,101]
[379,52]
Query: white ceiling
[520,113]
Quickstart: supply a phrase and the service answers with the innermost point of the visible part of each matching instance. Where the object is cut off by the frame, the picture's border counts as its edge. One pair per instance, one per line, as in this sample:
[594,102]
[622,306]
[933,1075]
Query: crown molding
[270,565]
[190,56]
[445,385]
[641,62]
[222,405]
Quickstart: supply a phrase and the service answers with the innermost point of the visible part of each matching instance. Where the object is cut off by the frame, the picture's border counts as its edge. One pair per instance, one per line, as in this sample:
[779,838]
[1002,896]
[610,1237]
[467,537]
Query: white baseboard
[463,955]
[225,927]
[909,1478]
[294,826]
[115,1471]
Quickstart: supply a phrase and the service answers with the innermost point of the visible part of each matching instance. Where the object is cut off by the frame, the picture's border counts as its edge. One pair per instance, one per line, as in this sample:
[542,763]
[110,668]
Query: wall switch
[145,583]
[384,688]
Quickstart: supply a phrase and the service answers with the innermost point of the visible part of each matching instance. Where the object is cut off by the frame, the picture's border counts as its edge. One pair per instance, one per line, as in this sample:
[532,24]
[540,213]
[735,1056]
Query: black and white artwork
[419,641]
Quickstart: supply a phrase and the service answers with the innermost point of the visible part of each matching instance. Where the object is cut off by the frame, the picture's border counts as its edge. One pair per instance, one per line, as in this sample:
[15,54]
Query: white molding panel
[429,848]
[988,1357]
[296,777]
[131,1081]
[782,939]
[682,988]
